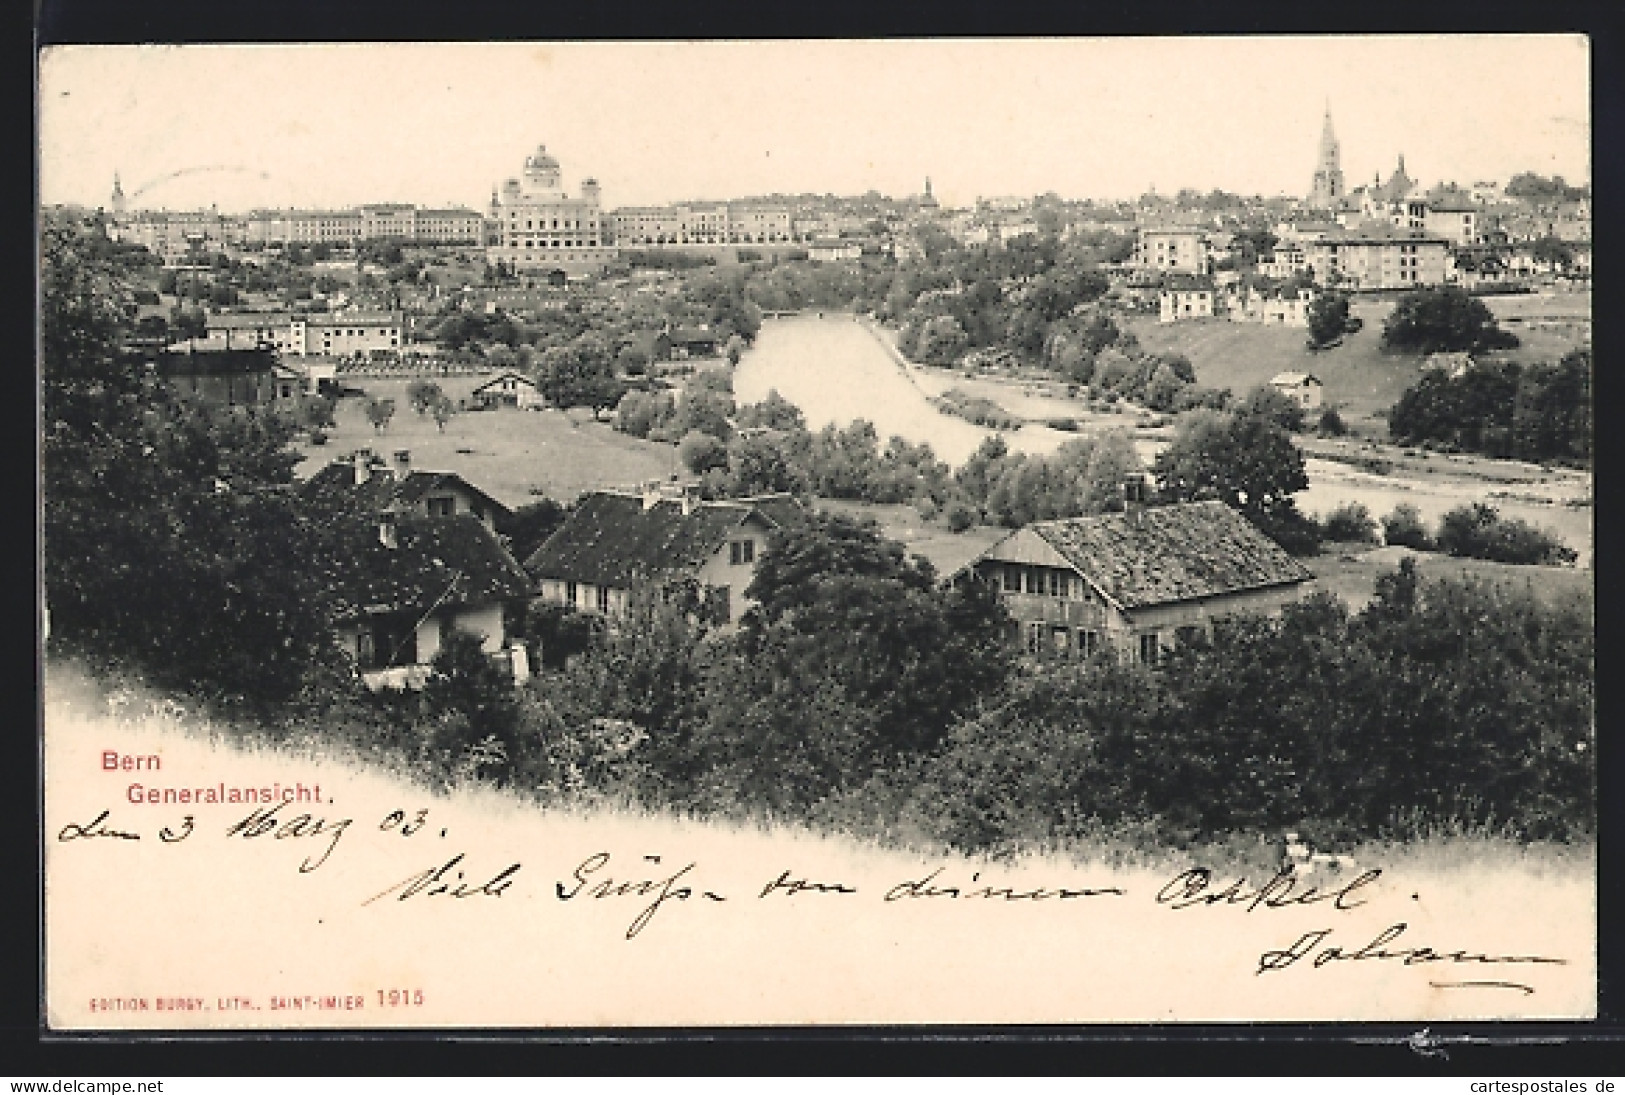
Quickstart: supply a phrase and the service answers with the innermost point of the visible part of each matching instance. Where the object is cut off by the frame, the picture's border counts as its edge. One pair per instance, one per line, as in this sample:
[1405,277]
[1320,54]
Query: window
[442,507]
[1012,579]
[603,599]
[1057,584]
[1060,640]
[1150,648]
[1088,643]
[741,552]
[1035,638]
[570,593]
[722,598]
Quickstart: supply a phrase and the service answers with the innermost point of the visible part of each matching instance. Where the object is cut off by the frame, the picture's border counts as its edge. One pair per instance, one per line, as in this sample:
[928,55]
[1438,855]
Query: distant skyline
[339,125]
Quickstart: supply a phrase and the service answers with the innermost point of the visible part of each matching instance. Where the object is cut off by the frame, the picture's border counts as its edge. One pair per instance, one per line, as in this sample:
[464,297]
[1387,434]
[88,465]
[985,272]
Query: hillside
[1361,381]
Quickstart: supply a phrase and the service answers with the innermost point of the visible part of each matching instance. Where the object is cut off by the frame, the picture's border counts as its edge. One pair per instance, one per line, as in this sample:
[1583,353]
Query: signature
[1314,943]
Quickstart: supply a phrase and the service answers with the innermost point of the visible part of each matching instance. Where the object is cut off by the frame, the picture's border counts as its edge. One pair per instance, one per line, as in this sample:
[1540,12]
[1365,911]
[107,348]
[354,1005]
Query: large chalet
[1139,581]
[429,561]
[613,543]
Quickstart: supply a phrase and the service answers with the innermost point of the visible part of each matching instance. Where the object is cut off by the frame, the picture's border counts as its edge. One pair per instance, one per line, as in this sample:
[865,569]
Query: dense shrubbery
[1529,412]
[1404,528]
[1351,523]
[1456,702]
[976,409]
[1478,531]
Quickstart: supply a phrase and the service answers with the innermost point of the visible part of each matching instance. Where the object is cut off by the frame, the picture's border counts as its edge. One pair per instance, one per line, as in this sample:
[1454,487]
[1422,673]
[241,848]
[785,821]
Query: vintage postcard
[844,532]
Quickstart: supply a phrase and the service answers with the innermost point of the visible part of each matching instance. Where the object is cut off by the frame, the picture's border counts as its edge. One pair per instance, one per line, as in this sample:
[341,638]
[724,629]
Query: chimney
[386,530]
[403,460]
[651,494]
[1134,495]
[361,462]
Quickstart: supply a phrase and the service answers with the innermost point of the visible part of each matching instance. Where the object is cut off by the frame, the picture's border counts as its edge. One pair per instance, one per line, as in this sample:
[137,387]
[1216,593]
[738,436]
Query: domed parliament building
[535,225]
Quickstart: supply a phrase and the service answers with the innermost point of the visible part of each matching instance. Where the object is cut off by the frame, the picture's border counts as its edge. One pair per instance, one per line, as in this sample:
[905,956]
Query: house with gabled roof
[399,593]
[613,543]
[430,561]
[1136,582]
[1304,389]
[509,389]
[379,485]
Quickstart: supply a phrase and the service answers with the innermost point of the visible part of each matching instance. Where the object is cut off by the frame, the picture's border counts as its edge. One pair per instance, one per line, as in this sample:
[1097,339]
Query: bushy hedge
[1478,531]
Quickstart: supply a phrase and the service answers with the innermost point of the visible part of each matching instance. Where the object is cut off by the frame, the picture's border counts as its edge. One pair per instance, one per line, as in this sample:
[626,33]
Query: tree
[423,394]
[443,409]
[1443,318]
[579,375]
[774,412]
[1245,460]
[1328,318]
[1403,527]
[470,700]
[167,547]
[379,412]
[1269,402]
[702,452]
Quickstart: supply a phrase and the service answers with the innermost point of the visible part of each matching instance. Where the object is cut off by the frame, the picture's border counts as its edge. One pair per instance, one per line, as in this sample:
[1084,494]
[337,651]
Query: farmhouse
[215,374]
[365,478]
[1301,388]
[404,589]
[614,542]
[1137,582]
[509,390]
[430,561]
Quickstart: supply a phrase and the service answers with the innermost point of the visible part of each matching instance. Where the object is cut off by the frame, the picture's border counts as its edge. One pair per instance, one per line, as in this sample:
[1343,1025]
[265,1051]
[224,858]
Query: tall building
[1327,186]
[536,225]
[116,203]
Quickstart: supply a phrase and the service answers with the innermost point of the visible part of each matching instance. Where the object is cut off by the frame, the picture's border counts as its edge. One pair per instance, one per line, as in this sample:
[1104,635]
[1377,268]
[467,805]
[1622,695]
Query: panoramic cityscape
[980,513]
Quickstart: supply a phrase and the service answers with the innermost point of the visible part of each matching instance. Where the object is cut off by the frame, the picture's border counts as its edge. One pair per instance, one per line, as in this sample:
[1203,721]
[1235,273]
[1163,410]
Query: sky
[247,126]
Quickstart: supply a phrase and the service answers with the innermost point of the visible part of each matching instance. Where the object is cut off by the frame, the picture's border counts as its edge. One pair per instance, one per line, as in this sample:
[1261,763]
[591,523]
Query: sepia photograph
[768,533]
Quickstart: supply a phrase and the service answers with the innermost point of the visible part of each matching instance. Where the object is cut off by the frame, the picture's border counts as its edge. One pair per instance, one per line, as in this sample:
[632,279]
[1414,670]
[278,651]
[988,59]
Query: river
[836,369]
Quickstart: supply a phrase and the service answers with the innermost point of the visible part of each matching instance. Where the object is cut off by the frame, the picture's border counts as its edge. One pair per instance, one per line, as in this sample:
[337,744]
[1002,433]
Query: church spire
[1327,185]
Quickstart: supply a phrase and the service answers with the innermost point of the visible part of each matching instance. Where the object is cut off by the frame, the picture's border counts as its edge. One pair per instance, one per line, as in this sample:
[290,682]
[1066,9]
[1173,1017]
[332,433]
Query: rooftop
[612,540]
[1172,553]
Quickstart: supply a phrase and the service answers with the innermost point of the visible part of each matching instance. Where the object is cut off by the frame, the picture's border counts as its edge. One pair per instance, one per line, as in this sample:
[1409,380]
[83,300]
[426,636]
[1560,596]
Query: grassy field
[1361,381]
[512,454]
[1350,571]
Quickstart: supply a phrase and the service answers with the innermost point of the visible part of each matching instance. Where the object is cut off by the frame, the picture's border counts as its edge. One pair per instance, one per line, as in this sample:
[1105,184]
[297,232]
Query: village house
[1379,258]
[1270,309]
[688,342]
[378,485]
[1138,582]
[1301,388]
[429,562]
[613,543]
[1174,249]
[209,372]
[509,389]
[839,250]
[1185,303]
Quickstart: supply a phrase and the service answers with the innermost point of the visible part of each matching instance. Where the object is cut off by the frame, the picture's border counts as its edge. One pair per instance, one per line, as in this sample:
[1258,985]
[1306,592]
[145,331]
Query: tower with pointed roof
[116,202]
[1327,187]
